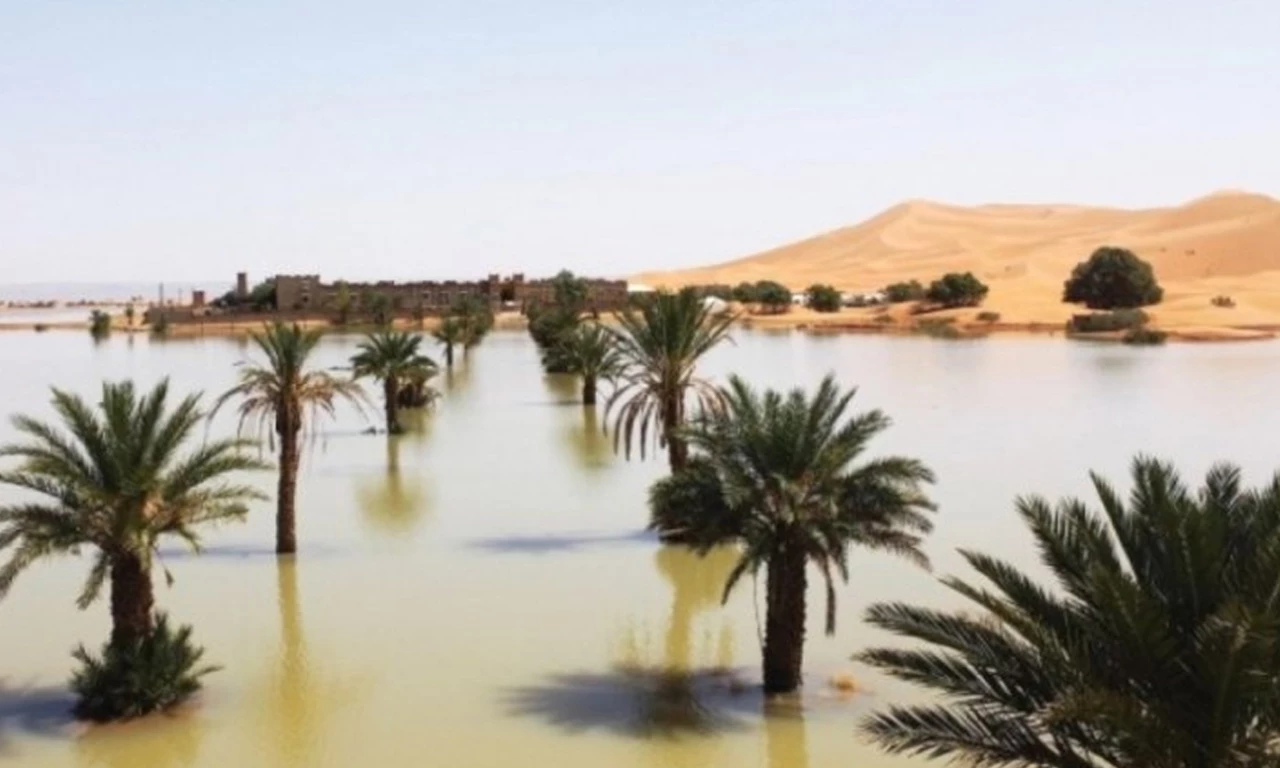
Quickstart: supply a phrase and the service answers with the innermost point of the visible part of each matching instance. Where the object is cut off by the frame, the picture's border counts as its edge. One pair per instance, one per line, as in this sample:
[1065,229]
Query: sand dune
[1227,243]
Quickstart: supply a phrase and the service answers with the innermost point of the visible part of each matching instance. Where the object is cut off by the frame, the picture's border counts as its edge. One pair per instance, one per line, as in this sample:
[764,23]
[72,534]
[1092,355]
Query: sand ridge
[1227,243]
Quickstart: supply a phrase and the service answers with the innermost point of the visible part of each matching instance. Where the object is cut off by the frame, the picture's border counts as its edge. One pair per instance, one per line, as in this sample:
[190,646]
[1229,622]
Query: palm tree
[1159,646]
[774,475]
[659,347]
[476,319]
[342,302]
[393,358]
[592,353]
[99,324]
[450,332]
[381,311]
[116,480]
[280,396]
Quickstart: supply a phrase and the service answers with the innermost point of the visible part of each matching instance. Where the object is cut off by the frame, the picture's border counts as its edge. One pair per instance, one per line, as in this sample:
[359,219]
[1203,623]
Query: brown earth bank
[1226,244]
[216,325]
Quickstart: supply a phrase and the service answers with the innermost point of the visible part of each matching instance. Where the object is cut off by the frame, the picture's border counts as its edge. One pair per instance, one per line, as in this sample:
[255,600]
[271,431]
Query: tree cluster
[823,298]
[550,324]
[956,289]
[261,298]
[770,296]
[896,293]
[1112,278]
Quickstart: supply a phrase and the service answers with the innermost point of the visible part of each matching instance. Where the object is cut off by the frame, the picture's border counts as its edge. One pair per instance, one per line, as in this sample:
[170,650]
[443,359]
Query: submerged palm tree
[116,481]
[450,333]
[775,475]
[1160,646]
[280,396]
[393,358]
[591,351]
[476,318]
[660,347]
[99,324]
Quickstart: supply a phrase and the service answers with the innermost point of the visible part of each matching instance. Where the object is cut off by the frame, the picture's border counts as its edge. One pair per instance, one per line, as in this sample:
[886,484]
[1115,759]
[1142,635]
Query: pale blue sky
[181,140]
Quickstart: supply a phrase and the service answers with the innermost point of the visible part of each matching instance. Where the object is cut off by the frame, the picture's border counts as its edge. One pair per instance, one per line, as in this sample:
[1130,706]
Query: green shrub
[957,289]
[41,327]
[160,327]
[772,296]
[988,317]
[550,323]
[1102,322]
[745,293]
[99,324]
[1112,278]
[1226,302]
[896,293]
[132,680]
[823,298]
[1144,336]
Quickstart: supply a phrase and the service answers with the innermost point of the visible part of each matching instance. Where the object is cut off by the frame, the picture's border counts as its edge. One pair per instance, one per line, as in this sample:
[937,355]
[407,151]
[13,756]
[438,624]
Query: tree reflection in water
[393,503]
[301,705]
[586,439]
[160,741]
[786,741]
[563,387]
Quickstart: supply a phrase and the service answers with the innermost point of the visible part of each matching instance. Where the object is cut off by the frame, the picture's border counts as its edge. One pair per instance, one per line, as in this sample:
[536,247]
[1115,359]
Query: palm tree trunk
[390,392]
[286,509]
[588,390]
[672,420]
[448,355]
[784,622]
[132,600]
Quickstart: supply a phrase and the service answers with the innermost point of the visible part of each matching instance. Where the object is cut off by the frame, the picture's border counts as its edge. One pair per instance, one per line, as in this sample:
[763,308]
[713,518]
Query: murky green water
[480,593]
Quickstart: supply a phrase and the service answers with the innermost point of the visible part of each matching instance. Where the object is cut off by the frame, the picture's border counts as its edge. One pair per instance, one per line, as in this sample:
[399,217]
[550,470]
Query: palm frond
[115,479]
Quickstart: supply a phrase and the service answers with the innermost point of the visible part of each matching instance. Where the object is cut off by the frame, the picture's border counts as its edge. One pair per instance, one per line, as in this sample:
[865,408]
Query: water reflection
[697,585]
[563,388]
[299,705]
[685,689]
[588,443]
[156,742]
[457,379]
[394,503]
[786,738]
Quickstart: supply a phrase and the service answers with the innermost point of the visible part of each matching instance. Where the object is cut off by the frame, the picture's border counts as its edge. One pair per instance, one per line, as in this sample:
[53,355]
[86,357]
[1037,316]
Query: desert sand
[1225,244]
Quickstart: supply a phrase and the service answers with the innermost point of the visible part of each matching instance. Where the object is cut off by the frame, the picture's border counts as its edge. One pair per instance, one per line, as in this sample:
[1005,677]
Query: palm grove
[1156,643]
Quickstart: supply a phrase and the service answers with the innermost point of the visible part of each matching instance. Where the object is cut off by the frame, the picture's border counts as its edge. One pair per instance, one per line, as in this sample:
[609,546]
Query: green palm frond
[774,470]
[659,347]
[116,479]
[591,350]
[392,354]
[1158,644]
[450,331]
[283,394]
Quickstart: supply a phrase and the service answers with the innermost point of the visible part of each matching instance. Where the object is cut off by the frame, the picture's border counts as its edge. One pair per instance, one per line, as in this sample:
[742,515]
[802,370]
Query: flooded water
[480,592]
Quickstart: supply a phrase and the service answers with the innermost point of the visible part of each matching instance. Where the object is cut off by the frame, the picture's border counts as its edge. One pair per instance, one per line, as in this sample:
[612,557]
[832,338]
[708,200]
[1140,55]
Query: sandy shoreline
[863,321]
[1217,258]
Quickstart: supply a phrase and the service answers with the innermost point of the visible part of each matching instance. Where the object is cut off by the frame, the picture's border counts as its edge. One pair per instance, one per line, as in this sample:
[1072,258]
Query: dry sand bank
[1224,244]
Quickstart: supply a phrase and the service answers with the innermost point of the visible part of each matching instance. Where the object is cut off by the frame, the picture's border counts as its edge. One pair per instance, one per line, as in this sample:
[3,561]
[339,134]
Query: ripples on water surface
[480,592]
